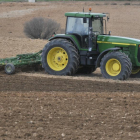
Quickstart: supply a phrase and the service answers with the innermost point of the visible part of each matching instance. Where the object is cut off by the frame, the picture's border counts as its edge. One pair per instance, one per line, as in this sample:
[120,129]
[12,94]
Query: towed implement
[20,60]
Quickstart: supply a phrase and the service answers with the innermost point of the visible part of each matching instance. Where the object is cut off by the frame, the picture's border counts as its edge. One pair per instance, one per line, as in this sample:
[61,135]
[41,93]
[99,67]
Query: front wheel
[116,65]
[60,57]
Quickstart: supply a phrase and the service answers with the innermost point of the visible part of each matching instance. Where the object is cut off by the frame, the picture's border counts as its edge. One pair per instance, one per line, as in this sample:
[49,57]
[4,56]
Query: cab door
[97,25]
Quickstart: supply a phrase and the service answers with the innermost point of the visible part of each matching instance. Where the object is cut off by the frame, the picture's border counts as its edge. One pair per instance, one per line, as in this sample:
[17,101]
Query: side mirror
[108,18]
[84,20]
[109,33]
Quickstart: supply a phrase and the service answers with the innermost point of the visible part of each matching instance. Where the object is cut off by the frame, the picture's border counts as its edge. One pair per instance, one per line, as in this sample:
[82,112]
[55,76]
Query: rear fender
[70,38]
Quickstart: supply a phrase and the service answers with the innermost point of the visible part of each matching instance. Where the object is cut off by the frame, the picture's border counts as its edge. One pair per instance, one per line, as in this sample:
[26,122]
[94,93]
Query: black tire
[130,64]
[86,70]
[125,66]
[73,57]
[9,69]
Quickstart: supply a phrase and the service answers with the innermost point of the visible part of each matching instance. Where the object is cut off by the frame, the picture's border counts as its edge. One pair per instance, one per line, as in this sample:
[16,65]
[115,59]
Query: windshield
[97,25]
[76,25]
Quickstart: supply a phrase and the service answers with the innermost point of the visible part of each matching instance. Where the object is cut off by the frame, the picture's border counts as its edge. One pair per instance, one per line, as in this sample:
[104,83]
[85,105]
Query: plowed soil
[38,106]
[34,107]
[46,84]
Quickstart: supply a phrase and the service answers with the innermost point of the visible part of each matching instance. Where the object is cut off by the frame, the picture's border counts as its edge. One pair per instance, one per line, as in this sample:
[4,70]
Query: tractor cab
[84,25]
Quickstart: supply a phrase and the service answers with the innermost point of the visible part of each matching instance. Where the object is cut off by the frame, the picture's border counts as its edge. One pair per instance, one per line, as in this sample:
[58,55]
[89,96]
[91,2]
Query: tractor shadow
[96,74]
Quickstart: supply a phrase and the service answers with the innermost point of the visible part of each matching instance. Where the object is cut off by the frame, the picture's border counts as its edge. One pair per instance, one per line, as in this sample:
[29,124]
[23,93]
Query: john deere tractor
[86,46]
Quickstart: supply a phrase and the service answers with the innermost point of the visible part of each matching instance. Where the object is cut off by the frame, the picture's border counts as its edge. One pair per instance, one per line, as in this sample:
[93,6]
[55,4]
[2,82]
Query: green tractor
[86,46]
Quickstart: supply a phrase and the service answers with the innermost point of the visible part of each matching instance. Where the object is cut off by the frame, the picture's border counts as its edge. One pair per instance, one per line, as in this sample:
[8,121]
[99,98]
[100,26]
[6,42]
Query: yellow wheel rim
[57,58]
[135,71]
[113,67]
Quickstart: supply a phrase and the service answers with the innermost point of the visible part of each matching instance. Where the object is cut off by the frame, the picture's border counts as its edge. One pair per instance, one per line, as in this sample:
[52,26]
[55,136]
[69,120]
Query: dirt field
[38,106]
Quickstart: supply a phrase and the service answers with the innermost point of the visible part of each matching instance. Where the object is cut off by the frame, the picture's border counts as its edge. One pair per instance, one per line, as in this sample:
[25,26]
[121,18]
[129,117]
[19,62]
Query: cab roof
[84,14]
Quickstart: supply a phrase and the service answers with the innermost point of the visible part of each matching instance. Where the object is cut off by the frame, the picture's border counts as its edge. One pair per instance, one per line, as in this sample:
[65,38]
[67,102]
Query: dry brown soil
[38,106]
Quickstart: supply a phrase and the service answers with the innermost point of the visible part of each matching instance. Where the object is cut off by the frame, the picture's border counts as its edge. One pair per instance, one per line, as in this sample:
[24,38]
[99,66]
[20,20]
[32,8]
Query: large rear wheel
[60,57]
[116,65]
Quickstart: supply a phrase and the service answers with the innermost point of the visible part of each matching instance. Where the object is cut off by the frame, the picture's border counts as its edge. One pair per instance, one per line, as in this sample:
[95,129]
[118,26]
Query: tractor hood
[118,40]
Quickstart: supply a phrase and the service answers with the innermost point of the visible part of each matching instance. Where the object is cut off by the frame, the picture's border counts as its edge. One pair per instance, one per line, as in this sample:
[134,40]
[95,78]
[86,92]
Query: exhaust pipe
[90,40]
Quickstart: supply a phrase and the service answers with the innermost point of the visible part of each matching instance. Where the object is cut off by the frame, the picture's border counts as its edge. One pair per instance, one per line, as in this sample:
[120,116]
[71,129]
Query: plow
[85,46]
